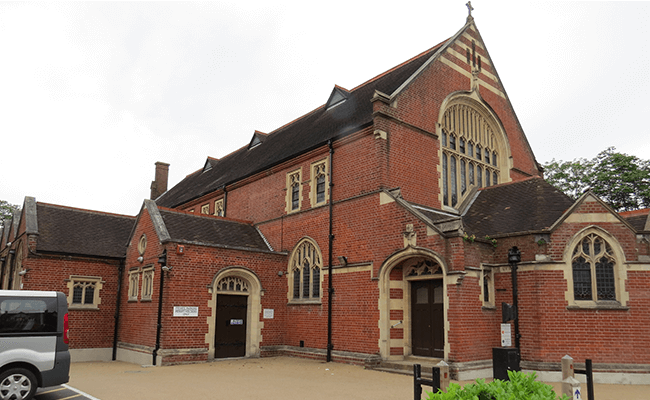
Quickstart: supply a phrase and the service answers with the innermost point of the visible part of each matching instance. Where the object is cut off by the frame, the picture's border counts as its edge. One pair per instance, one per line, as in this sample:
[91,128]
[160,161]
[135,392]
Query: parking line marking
[52,391]
[71,397]
[80,392]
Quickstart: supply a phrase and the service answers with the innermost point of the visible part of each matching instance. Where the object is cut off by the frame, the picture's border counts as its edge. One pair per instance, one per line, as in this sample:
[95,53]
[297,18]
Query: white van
[33,342]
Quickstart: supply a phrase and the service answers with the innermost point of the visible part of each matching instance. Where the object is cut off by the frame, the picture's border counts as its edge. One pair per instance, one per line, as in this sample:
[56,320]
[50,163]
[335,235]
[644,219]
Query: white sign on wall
[506,337]
[180,311]
[268,313]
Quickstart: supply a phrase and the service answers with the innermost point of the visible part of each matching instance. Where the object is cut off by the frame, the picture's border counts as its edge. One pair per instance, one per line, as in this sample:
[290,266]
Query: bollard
[444,375]
[573,386]
[567,367]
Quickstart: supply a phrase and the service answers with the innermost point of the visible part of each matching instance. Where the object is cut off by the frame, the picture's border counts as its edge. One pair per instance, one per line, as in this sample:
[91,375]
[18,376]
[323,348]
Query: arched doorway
[413,305]
[234,329]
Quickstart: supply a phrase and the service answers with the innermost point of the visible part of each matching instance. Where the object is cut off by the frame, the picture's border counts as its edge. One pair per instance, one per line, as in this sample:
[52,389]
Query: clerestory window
[294,191]
[318,186]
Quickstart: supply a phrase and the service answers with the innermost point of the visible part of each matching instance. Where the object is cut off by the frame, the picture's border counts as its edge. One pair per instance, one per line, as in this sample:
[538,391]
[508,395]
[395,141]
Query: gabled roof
[66,230]
[532,205]
[305,133]
[590,196]
[206,230]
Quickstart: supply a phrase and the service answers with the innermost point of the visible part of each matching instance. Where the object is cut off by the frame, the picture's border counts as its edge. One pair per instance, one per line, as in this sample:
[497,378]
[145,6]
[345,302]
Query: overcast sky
[93,94]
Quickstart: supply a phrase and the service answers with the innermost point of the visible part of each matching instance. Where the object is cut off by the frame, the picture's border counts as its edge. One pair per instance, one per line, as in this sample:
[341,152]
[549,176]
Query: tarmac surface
[276,378]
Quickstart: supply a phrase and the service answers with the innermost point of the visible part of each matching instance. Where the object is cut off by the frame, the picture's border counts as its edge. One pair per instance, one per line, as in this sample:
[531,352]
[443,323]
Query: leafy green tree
[7,210]
[621,180]
[571,177]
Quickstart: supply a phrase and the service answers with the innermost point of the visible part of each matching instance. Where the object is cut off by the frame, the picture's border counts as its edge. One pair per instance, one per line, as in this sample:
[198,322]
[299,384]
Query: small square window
[83,292]
[218,208]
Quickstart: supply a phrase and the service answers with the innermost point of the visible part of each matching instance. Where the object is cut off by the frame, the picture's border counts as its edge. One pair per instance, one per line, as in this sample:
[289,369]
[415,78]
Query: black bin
[504,359]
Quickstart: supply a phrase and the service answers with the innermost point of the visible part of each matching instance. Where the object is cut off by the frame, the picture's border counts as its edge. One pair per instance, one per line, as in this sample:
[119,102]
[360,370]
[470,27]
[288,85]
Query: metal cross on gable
[469,8]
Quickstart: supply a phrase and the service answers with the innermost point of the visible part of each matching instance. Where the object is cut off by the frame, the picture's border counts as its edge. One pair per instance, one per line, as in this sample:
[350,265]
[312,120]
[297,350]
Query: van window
[19,315]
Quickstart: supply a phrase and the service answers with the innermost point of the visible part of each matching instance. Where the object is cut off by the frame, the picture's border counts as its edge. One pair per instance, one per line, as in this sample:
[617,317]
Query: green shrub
[521,386]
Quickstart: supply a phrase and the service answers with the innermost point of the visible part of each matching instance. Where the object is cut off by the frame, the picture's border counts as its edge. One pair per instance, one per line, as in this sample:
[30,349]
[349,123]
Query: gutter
[330,290]
[120,274]
[163,262]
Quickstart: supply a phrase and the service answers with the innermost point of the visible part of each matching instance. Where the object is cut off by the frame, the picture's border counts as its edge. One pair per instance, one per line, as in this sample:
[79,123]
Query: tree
[621,180]
[7,210]
[571,177]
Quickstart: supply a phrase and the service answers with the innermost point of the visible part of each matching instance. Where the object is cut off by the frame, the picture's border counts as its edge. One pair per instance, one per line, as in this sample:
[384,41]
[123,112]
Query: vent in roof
[258,138]
[338,96]
[209,163]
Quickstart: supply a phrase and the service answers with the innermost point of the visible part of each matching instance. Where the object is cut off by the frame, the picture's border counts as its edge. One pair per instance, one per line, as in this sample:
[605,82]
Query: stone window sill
[315,302]
[80,307]
[598,306]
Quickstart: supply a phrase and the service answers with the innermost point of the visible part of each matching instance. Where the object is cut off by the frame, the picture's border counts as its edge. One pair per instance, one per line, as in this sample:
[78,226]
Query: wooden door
[230,336]
[427,318]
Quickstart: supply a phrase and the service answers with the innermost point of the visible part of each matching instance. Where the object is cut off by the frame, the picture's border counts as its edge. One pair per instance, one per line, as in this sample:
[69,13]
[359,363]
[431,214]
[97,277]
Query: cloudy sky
[92,94]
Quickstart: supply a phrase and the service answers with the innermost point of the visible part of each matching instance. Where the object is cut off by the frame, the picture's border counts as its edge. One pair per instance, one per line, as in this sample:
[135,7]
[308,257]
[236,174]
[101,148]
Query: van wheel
[17,384]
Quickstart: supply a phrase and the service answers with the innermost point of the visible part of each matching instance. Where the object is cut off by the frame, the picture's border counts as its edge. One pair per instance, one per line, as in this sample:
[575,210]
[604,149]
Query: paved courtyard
[277,378]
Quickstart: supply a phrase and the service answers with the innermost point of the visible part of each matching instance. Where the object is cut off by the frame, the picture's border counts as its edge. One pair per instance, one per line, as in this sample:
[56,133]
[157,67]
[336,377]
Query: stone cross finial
[469,8]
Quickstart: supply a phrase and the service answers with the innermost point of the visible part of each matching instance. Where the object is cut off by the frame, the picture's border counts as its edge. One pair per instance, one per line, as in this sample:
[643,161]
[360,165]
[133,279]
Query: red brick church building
[374,228]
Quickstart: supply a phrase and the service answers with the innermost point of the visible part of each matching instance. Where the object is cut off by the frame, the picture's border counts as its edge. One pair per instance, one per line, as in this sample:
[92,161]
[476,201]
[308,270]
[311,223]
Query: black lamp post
[514,257]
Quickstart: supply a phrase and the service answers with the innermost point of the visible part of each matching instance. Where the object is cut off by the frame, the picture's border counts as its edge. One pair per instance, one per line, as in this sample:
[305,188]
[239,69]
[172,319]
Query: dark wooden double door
[427,318]
[230,332]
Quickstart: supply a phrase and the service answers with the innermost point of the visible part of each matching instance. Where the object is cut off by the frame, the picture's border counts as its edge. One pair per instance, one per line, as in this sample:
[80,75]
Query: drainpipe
[120,273]
[162,260]
[225,200]
[330,291]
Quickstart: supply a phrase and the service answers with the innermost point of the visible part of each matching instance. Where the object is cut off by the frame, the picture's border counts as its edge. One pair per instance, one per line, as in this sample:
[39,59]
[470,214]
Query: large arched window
[593,264]
[305,269]
[472,152]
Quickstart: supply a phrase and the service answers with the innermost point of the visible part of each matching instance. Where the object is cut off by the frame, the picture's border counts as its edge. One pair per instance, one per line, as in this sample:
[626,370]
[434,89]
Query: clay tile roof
[637,221]
[523,206]
[66,230]
[209,230]
[305,133]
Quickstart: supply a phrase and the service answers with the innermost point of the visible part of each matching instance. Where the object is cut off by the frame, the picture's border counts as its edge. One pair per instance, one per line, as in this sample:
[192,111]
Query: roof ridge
[85,210]
[192,214]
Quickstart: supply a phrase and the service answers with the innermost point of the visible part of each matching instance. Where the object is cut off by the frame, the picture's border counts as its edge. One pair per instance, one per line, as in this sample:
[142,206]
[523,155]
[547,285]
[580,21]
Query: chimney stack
[159,186]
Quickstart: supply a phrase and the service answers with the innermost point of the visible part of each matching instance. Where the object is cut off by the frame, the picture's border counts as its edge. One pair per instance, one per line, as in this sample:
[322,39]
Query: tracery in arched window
[305,268]
[593,266]
[470,153]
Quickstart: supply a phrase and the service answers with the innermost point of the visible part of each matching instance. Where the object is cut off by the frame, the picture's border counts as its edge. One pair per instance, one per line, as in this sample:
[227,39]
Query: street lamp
[514,257]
